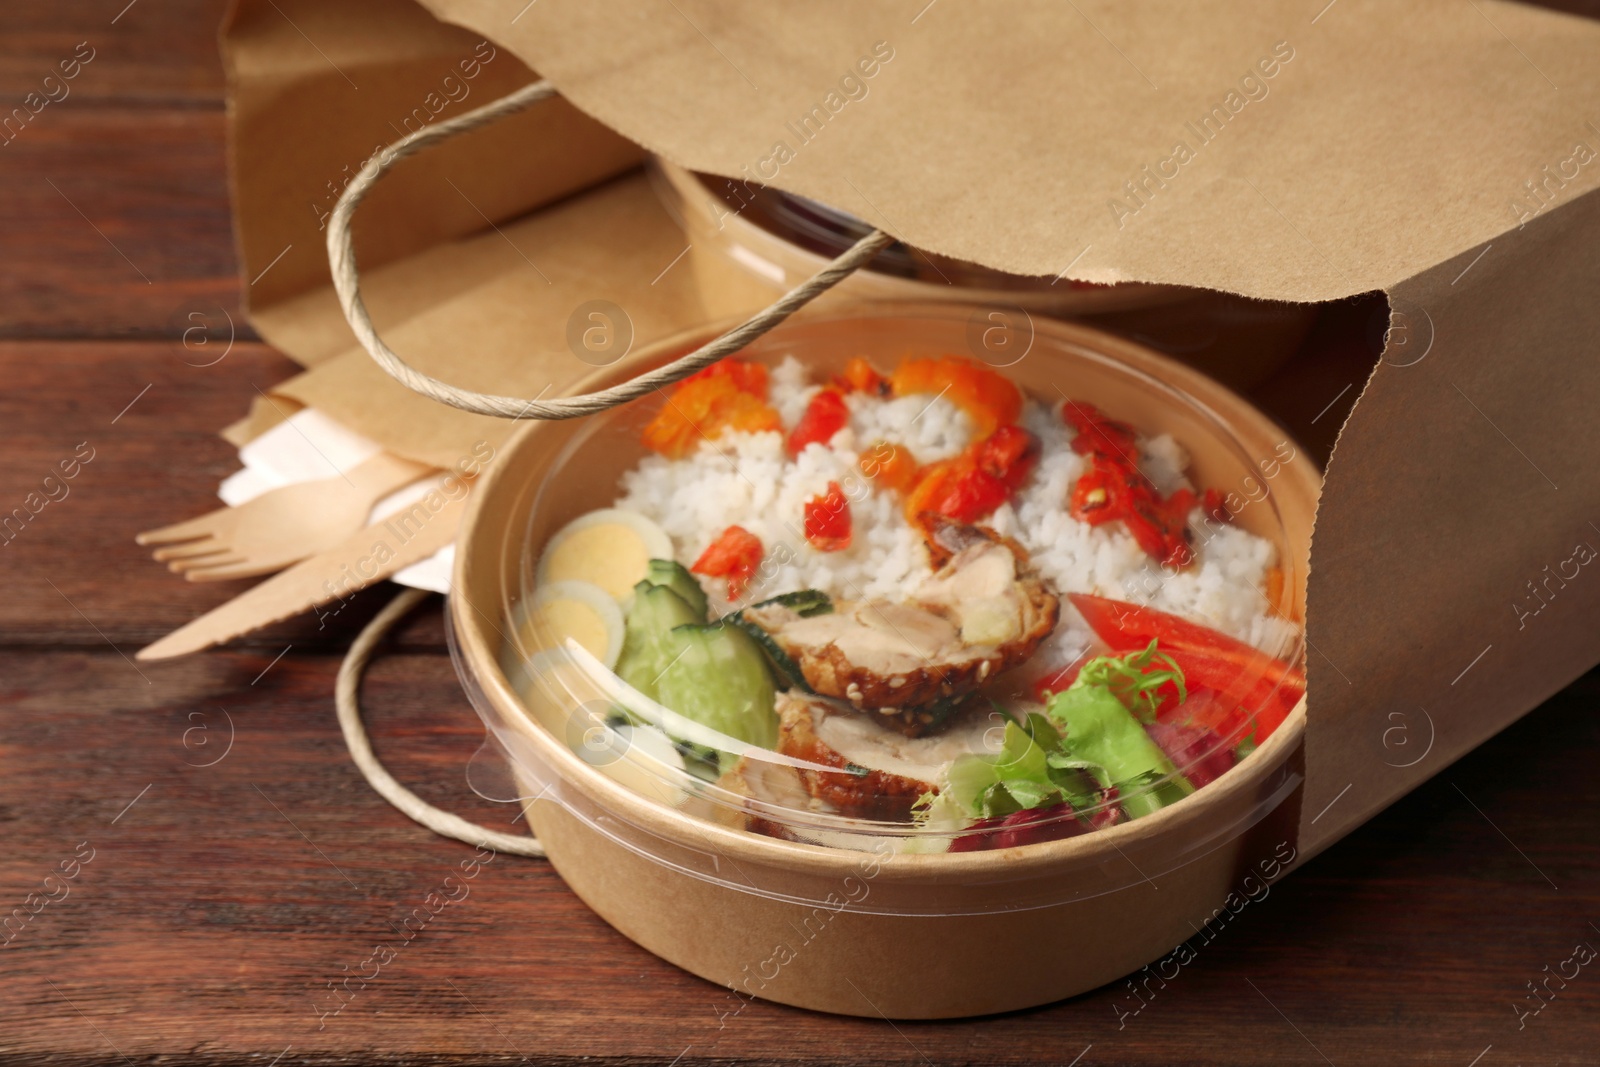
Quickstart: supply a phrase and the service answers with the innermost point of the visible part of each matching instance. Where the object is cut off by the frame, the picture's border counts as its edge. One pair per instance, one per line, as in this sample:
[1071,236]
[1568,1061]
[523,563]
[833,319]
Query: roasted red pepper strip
[735,555]
[748,377]
[828,520]
[1108,493]
[1216,510]
[1162,526]
[1010,454]
[730,395]
[969,487]
[825,416]
[1113,488]
[968,494]
[1100,494]
[891,466]
[988,397]
[1099,435]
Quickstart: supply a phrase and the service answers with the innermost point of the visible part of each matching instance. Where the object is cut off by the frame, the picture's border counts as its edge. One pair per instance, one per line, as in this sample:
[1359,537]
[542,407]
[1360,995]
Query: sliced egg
[581,611]
[550,683]
[611,548]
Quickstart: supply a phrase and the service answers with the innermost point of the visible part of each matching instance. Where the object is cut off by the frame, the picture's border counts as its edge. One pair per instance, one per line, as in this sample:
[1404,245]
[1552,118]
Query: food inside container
[907,599]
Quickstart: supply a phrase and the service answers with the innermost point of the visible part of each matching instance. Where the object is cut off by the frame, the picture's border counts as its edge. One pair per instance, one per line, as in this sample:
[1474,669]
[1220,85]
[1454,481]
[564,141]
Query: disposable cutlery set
[322,538]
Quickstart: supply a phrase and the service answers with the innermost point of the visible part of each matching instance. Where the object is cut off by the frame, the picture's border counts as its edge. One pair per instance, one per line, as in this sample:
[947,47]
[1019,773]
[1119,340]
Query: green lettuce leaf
[1031,770]
[1135,679]
[1101,726]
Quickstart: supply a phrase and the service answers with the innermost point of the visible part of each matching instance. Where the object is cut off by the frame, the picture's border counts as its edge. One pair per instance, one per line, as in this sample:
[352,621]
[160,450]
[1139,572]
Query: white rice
[747,479]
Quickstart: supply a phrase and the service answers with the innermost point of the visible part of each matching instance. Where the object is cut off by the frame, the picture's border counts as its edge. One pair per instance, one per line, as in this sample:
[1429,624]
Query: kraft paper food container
[868,925]
[781,239]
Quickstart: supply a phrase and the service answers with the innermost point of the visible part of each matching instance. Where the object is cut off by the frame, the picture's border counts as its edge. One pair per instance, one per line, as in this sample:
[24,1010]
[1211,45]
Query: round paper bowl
[871,931]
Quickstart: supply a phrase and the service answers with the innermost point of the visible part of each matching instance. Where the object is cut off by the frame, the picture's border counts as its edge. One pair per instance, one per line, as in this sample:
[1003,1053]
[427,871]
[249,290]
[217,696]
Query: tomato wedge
[1247,681]
[1128,627]
[1057,681]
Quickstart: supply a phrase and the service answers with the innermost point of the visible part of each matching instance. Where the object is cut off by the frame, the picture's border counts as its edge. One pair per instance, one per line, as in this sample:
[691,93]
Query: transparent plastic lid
[861,585]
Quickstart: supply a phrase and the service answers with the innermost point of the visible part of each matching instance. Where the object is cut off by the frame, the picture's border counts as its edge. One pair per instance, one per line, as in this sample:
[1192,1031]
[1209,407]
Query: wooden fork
[281,526]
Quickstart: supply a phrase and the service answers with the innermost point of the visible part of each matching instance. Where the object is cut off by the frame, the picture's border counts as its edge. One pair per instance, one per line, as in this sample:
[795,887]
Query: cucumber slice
[788,670]
[672,574]
[806,602]
[716,675]
[650,620]
[642,758]
[702,762]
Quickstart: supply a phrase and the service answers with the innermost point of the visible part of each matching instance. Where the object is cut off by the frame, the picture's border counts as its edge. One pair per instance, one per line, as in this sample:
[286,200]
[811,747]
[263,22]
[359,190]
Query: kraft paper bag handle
[347,701]
[346,282]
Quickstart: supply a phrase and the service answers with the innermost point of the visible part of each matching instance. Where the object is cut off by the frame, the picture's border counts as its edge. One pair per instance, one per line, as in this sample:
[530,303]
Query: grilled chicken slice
[765,785]
[983,612]
[879,773]
[767,788]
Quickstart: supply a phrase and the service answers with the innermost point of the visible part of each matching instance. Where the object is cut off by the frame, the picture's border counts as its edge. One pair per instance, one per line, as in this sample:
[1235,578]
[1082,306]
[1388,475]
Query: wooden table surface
[230,865]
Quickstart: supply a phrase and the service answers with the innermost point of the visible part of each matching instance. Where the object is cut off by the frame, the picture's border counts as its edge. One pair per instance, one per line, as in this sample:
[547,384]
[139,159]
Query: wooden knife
[367,556]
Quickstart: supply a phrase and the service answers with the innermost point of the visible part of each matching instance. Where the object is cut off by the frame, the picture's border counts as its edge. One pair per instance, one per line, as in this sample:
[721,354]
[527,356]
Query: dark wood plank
[148,411]
[150,52]
[217,908]
[115,223]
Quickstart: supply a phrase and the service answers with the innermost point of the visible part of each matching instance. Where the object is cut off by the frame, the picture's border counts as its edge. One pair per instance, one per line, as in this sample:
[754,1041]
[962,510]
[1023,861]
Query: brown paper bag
[1440,152]
[315,90]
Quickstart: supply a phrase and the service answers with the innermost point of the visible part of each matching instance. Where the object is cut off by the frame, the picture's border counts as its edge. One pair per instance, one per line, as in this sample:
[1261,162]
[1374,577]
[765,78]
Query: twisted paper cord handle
[346,282]
[347,699]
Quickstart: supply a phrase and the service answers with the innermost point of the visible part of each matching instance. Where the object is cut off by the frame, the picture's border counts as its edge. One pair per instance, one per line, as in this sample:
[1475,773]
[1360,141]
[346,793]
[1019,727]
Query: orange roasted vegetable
[969,487]
[989,398]
[890,466]
[730,395]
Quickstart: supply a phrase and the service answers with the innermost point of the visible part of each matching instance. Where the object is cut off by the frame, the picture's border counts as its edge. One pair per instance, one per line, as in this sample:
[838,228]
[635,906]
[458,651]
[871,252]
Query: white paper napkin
[308,446]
